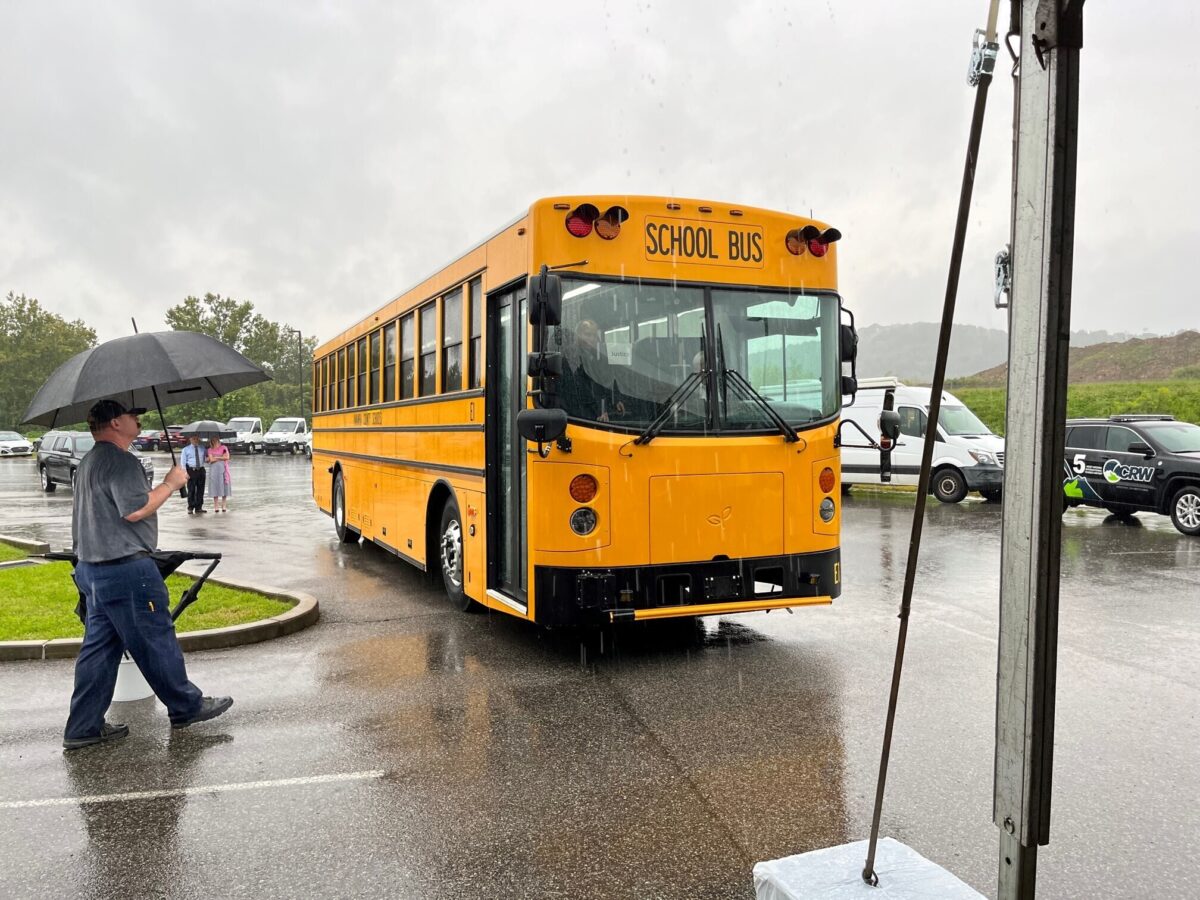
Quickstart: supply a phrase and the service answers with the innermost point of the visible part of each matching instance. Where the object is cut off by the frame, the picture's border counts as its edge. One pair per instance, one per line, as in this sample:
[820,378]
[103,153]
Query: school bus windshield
[628,347]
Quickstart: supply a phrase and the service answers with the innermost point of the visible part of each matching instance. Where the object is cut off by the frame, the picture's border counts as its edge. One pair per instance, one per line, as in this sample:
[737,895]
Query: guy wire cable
[984,77]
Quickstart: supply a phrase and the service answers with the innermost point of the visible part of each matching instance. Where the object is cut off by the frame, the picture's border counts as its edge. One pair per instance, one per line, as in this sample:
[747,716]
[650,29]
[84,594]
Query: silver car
[12,444]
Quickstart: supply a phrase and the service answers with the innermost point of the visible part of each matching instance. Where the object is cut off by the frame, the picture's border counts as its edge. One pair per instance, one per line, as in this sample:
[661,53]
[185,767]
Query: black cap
[105,411]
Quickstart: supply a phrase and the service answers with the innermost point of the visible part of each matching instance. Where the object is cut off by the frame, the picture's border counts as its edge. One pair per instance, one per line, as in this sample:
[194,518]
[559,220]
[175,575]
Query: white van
[287,434]
[966,455]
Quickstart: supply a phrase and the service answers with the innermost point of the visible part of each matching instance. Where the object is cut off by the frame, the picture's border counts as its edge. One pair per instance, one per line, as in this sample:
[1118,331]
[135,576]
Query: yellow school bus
[614,408]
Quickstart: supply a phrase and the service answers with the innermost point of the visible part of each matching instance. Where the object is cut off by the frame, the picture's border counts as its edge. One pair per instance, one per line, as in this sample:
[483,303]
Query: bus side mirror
[848,354]
[544,365]
[889,424]
[545,299]
[849,344]
[889,430]
[542,426]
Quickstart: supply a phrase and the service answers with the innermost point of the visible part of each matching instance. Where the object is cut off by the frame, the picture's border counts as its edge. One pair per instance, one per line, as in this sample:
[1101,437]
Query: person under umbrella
[115,528]
[114,520]
[192,461]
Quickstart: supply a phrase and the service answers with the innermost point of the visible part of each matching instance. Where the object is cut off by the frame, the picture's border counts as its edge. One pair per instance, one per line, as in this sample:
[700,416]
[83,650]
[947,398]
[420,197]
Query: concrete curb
[25,544]
[304,612]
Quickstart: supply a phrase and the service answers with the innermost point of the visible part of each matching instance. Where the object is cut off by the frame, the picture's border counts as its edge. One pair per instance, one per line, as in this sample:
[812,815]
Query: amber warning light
[583,488]
[586,218]
[812,239]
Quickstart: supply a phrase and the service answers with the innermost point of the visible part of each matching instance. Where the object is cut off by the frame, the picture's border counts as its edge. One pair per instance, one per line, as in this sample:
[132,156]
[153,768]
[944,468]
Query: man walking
[115,528]
[192,460]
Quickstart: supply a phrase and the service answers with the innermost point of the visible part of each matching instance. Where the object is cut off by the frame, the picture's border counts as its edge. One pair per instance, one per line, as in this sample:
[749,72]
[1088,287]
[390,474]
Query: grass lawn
[9,552]
[38,602]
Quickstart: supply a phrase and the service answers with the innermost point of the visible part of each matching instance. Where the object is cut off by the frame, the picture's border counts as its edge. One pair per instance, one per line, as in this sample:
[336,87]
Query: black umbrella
[206,428]
[152,370]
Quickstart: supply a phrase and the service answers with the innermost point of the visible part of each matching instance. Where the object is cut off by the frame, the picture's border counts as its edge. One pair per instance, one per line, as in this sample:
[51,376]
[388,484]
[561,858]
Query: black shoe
[210,708]
[201,511]
[107,733]
[189,512]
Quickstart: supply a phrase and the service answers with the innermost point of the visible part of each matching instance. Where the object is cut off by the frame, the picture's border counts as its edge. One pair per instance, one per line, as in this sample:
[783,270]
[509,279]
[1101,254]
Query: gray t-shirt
[109,485]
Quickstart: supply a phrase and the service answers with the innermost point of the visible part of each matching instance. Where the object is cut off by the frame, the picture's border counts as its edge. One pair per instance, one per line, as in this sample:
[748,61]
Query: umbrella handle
[158,406]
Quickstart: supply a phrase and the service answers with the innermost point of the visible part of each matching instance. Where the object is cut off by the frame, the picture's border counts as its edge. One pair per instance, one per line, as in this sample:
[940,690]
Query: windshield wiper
[747,391]
[678,397]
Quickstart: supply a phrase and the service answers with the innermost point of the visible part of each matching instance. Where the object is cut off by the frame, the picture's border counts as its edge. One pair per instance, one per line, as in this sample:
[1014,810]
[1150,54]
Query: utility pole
[299,366]
[1046,132]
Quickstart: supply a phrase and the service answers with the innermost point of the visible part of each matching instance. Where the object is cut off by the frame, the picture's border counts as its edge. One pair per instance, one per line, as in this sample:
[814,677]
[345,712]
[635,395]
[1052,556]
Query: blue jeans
[127,609]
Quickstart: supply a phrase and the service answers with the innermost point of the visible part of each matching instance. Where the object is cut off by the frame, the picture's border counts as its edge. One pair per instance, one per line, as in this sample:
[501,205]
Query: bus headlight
[583,520]
[827,510]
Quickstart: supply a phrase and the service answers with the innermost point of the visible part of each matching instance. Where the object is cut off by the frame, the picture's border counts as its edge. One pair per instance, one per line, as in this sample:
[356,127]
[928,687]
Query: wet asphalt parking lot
[401,749]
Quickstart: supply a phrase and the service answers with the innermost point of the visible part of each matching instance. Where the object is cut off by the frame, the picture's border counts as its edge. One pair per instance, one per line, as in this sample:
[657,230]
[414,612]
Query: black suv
[1129,463]
[59,455]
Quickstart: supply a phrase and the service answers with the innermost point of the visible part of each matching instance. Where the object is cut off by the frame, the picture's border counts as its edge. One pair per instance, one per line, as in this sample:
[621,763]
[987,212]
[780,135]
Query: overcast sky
[319,159]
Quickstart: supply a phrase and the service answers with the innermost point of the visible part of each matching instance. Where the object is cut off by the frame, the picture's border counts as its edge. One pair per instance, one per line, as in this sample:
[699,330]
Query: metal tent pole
[1039,333]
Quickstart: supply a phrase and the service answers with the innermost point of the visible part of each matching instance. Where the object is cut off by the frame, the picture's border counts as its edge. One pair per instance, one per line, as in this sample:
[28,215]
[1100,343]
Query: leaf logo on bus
[722,518]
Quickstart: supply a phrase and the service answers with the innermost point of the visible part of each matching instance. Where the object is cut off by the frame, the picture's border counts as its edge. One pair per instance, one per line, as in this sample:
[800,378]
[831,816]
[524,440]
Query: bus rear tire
[345,534]
[949,486]
[450,557]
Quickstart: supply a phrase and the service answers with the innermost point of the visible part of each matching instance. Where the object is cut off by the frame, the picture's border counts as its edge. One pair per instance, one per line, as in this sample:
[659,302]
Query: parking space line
[187,792]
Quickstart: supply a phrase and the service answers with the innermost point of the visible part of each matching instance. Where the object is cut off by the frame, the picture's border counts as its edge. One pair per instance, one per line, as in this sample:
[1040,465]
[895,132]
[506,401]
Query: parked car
[1135,463]
[171,438]
[12,444]
[249,430]
[286,435]
[60,455]
[147,440]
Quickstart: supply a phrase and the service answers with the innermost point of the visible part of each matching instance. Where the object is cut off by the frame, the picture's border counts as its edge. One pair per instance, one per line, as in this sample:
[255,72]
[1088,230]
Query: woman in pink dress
[219,484]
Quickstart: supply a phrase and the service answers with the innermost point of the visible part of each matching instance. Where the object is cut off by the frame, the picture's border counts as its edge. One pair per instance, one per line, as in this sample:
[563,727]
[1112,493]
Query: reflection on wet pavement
[655,761]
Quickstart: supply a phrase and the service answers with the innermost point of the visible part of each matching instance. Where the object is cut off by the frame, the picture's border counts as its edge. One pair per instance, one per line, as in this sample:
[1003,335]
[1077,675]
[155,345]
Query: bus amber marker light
[826,480]
[583,488]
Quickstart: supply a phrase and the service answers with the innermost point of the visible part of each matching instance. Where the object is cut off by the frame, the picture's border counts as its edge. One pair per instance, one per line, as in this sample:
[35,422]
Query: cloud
[319,159]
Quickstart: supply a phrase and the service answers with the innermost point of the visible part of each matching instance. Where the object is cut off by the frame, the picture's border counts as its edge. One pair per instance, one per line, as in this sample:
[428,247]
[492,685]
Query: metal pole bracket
[983,57]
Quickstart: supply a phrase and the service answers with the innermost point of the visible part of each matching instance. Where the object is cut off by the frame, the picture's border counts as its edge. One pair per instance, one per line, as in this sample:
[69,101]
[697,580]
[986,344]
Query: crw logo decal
[1116,471]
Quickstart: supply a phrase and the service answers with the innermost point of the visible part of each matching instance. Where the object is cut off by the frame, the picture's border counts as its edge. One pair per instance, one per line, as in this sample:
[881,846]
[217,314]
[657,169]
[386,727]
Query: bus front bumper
[570,596]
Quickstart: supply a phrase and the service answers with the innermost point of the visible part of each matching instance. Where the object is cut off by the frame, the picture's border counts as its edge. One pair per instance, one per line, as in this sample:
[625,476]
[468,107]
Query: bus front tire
[450,557]
[949,486]
[344,532]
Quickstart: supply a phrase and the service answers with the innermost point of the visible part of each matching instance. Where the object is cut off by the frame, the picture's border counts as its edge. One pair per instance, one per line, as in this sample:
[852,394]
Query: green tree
[271,345]
[33,343]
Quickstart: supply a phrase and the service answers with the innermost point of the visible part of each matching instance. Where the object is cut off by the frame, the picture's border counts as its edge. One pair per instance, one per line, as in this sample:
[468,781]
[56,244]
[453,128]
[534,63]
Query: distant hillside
[907,351]
[1137,359]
